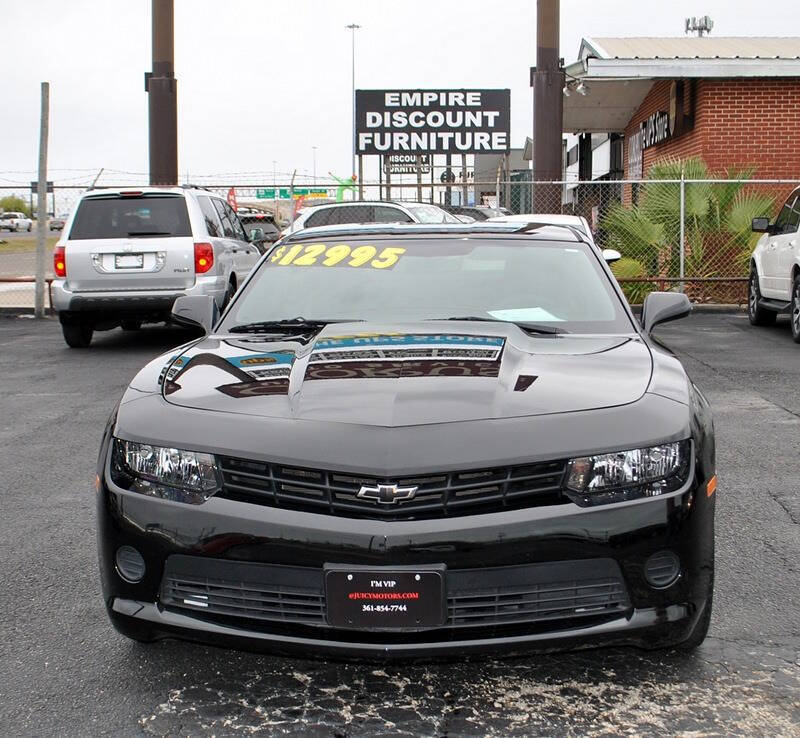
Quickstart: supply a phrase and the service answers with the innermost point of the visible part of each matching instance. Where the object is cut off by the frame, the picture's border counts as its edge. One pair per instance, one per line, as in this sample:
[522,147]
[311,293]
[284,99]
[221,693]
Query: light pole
[314,153]
[275,187]
[353,27]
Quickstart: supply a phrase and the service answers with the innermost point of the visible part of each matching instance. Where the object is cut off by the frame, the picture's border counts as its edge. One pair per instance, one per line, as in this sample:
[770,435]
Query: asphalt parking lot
[64,671]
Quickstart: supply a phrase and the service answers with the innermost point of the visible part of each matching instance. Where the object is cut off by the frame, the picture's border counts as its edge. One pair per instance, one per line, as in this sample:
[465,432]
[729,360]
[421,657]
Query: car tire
[758,315]
[77,334]
[30,228]
[794,314]
[131,324]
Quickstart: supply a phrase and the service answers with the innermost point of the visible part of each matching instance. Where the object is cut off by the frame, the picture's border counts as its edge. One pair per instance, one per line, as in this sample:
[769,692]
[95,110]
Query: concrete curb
[11,312]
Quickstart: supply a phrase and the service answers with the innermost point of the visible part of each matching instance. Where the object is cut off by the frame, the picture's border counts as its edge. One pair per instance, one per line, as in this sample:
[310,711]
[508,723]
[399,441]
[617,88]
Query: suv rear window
[131,217]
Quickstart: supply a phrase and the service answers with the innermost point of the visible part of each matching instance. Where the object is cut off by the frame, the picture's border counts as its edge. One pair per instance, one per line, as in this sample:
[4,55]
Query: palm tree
[717,217]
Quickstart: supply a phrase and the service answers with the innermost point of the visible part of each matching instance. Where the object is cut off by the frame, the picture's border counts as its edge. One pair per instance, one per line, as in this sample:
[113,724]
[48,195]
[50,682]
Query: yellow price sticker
[340,254]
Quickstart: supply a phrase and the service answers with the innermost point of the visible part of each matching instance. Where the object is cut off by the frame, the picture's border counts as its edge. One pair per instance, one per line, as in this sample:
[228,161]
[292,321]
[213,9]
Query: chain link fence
[691,235]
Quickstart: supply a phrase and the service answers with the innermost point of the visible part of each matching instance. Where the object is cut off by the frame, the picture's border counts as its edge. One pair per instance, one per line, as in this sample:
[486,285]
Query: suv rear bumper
[132,302]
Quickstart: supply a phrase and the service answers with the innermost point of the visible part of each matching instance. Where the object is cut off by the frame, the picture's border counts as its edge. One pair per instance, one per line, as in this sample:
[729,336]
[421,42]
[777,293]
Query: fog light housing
[130,564]
[662,569]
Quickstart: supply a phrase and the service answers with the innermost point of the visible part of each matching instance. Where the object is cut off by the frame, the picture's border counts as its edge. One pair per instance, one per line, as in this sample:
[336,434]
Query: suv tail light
[59,261]
[203,257]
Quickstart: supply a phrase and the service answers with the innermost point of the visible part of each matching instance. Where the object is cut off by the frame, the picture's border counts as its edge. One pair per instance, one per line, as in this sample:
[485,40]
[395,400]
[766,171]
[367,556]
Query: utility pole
[41,202]
[547,80]
[161,87]
[314,150]
[353,27]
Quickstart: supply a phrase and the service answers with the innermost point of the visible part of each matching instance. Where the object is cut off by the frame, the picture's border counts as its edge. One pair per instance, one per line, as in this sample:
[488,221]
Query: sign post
[41,202]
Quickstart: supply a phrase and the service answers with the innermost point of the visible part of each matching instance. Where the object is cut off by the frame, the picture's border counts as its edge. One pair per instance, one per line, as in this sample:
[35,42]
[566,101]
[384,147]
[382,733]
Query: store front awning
[617,73]
[607,106]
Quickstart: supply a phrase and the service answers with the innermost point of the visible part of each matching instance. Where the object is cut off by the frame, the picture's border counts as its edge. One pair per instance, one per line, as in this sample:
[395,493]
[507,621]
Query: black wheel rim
[796,309]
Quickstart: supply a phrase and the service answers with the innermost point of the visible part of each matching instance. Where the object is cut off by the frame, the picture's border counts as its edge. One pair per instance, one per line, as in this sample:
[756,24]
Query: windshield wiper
[265,326]
[547,330]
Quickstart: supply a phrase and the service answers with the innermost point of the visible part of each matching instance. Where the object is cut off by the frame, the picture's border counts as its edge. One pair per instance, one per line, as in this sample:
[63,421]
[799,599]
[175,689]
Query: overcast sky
[262,81]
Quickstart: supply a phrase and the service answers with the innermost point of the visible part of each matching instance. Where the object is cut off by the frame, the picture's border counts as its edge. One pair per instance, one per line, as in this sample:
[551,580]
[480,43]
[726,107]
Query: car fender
[757,255]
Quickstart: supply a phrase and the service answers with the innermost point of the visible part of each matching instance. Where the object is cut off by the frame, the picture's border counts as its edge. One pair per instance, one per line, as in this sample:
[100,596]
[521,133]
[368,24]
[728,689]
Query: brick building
[731,101]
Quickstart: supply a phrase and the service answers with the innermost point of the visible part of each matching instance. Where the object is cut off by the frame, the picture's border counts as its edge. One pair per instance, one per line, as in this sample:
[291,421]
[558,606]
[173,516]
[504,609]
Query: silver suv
[126,255]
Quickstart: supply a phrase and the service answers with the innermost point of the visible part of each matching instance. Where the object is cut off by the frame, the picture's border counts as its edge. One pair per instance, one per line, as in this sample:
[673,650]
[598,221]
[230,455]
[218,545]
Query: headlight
[628,475]
[170,473]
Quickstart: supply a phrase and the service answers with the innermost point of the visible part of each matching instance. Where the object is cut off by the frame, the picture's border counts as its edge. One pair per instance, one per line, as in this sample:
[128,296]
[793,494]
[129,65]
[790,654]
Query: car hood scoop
[397,375]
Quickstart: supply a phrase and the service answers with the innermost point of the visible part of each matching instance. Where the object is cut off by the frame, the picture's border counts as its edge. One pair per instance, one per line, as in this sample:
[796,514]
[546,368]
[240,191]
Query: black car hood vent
[423,373]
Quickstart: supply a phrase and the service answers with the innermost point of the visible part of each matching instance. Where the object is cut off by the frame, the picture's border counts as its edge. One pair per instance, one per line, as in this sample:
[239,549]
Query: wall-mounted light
[575,85]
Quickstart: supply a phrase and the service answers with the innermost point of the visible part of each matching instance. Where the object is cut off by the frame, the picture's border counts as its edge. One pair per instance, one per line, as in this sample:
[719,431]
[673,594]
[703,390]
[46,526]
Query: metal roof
[692,47]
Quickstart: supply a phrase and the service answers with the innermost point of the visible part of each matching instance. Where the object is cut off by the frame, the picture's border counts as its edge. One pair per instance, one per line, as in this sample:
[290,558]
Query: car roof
[177,190]
[538,231]
[555,218]
[346,203]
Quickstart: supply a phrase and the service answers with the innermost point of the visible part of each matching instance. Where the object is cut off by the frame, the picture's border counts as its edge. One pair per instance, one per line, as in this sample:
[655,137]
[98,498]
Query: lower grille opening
[487,602]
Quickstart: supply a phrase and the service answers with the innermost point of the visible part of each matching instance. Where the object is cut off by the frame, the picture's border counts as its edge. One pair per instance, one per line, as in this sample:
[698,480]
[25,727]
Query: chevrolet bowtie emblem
[387,494]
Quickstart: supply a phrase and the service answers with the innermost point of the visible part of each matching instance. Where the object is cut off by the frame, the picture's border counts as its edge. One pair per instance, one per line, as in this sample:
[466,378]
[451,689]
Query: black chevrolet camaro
[414,440]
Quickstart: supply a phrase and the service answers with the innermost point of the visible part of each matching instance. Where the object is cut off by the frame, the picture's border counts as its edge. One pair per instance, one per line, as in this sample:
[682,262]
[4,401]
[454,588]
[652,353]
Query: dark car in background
[264,221]
[414,440]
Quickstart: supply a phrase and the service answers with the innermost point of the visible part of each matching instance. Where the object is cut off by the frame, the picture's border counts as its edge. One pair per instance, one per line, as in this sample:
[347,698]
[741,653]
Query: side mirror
[256,235]
[661,307]
[611,255]
[195,311]
[760,225]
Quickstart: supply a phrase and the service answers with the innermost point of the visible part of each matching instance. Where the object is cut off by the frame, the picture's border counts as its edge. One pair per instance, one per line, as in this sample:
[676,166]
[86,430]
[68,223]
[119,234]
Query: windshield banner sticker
[340,254]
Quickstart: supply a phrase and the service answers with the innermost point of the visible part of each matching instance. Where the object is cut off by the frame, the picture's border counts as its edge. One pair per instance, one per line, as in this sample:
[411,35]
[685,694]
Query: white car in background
[575,221]
[13,221]
[343,213]
[578,222]
[125,256]
[774,285]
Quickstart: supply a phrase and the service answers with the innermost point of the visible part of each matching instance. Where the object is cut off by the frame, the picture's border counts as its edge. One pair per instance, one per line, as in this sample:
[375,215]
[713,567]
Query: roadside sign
[432,121]
[284,193]
[406,164]
[35,187]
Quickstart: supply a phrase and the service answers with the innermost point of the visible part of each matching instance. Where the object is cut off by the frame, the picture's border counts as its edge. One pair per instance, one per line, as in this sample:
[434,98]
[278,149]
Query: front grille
[242,590]
[476,598]
[438,495]
[549,601]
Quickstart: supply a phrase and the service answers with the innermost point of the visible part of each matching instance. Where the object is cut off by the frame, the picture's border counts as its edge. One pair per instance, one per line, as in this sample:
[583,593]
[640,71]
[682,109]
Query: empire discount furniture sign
[432,121]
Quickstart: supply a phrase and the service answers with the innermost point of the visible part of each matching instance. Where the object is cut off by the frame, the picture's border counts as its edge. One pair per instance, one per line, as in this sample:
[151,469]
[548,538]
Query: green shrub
[626,268]
[14,204]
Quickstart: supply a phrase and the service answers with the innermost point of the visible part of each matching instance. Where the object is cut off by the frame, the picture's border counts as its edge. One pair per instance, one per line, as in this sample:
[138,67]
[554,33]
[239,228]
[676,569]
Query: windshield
[560,284]
[131,217]
[430,214]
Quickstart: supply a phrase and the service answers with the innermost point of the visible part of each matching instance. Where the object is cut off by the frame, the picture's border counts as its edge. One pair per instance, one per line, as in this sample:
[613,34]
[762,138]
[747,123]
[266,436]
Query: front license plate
[128,261]
[403,598]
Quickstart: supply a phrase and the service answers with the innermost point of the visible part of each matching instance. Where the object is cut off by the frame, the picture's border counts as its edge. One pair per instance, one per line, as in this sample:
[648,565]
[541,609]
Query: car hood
[415,374]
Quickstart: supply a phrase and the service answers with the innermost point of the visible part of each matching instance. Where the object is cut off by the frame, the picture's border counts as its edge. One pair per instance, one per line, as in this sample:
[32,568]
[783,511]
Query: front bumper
[226,532]
[643,628]
[132,301]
